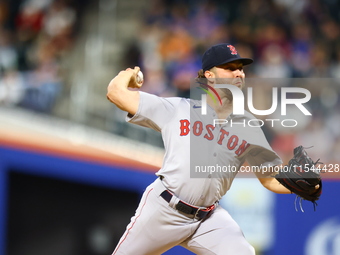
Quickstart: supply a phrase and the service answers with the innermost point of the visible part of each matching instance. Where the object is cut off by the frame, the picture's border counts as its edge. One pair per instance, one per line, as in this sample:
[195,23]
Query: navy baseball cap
[221,54]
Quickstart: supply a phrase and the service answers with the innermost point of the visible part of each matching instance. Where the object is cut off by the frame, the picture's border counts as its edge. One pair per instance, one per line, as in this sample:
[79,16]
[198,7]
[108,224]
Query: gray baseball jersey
[192,144]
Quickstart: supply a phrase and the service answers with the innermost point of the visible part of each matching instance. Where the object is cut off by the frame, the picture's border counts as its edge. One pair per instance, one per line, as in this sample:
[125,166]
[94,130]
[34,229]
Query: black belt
[188,209]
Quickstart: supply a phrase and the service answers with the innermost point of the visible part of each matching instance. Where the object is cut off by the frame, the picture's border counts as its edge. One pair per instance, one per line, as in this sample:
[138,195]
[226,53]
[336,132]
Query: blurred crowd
[34,35]
[286,38]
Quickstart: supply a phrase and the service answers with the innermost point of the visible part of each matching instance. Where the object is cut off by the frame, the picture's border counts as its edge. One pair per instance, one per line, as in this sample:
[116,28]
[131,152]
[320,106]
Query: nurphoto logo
[239,99]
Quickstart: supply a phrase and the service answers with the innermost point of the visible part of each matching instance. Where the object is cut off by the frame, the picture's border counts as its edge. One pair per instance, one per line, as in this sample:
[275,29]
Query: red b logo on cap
[232,49]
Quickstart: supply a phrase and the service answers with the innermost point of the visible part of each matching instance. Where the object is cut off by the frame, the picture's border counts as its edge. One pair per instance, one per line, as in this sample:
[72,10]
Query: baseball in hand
[139,78]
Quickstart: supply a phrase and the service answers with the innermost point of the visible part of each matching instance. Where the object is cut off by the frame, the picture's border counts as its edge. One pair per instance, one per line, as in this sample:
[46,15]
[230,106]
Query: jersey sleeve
[262,156]
[153,111]
[259,152]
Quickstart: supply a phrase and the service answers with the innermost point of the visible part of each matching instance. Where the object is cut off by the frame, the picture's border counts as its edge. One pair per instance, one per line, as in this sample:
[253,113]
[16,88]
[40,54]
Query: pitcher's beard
[237,82]
[227,94]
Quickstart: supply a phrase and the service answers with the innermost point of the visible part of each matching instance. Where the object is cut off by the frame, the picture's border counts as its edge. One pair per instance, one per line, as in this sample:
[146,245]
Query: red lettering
[197,128]
[223,133]
[185,127]
[232,49]
[232,142]
[209,135]
[242,148]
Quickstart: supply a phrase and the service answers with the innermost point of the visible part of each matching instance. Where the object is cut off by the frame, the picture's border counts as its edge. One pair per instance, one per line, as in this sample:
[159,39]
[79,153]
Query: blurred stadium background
[68,184]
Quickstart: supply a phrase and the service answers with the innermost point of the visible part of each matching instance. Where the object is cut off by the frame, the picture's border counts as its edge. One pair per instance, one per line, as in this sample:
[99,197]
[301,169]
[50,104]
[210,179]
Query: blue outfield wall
[77,171]
[309,232]
[3,206]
